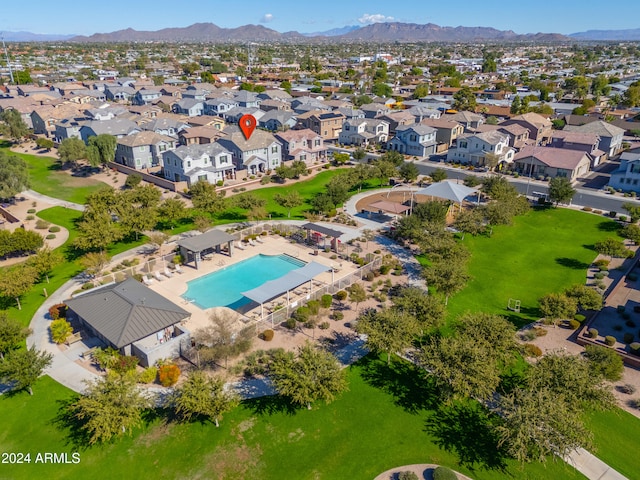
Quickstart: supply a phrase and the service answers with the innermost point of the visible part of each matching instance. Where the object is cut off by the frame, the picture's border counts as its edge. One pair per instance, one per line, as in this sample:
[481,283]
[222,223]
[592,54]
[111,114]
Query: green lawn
[542,252]
[367,430]
[47,178]
[616,439]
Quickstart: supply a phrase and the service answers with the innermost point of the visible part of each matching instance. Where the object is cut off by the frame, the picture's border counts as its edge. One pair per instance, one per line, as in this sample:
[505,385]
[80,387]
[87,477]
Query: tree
[171,210]
[491,160]
[516,106]
[16,127]
[286,86]
[557,306]
[611,247]
[604,362]
[470,221]
[45,260]
[204,397]
[428,310]
[633,210]
[111,407]
[288,200]
[381,89]
[385,170]
[447,276]
[422,90]
[23,367]
[44,143]
[94,262]
[561,190]
[71,150]
[12,334]
[392,156]
[409,172]
[133,180]
[104,147]
[157,238]
[359,154]
[361,173]
[137,209]
[222,338]
[14,283]
[340,158]
[357,294]
[464,99]
[205,198]
[313,374]
[586,298]
[60,330]
[388,330]
[438,175]
[14,175]
[537,424]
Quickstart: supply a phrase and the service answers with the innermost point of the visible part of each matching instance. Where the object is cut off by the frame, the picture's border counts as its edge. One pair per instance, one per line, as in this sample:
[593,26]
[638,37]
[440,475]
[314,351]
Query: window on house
[412,138]
[188,163]
[274,149]
[303,157]
[202,178]
[224,159]
[635,182]
[141,148]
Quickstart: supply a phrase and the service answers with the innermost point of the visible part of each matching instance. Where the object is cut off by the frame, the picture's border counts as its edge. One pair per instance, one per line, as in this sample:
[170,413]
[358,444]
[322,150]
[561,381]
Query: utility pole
[6,54]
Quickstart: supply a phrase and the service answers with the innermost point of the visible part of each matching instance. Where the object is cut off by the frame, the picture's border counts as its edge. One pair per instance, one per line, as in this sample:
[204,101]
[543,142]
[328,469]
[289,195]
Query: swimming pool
[222,288]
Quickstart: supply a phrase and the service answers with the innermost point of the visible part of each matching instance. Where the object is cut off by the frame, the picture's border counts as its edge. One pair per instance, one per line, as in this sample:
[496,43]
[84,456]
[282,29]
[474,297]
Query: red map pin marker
[247,125]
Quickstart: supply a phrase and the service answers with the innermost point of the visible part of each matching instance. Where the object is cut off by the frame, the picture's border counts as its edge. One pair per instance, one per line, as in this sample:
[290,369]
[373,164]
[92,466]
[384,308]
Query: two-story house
[189,106]
[421,112]
[417,140]
[200,135]
[165,126]
[326,124]
[278,120]
[364,131]
[586,142]
[118,127]
[469,120]
[398,119]
[627,176]
[209,162]
[68,128]
[474,148]
[45,117]
[219,106]
[552,162]
[260,153]
[119,94]
[610,135]
[143,150]
[247,99]
[447,131]
[539,127]
[305,145]
[145,96]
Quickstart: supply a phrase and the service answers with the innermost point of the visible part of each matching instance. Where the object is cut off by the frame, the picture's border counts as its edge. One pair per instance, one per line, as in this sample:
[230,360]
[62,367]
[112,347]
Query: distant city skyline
[68,16]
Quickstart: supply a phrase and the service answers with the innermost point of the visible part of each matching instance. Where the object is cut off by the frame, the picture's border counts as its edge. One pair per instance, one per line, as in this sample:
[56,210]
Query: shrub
[326,300]
[531,350]
[290,323]
[148,375]
[579,317]
[125,364]
[267,335]
[220,183]
[407,475]
[587,209]
[540,332]
[444,473]
[60,330]
[341,296]
[369,276]
[627,337]
[30,217]
[609,340]
[133,180]
[384,269]
[574,324]
[302,314]
[31,210]
[593,333]
[266,179]
[635,348]
[528,335]
[603,262]
[599,275]
[338,316]
[324,325]
[42,224]
[627,388]
[613,214]
[168,375]
[59,310]
[54,229]
[50,236]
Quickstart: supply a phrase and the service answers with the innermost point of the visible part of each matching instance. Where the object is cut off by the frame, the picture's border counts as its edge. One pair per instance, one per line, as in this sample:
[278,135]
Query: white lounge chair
[259,239]
[167,273]
[179,269]
[239,246]
[147,280]
[252,243]
[158,276]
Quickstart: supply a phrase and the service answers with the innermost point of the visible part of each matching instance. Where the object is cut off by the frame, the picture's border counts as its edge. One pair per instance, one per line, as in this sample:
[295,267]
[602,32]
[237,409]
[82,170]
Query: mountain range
[377,32]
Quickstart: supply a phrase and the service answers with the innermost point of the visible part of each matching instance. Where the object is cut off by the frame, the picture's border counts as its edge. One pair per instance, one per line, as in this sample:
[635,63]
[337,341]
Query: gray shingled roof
[208,239]
[126,312]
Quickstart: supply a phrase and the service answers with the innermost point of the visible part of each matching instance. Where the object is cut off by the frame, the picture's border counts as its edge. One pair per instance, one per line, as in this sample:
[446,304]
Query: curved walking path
[32,194]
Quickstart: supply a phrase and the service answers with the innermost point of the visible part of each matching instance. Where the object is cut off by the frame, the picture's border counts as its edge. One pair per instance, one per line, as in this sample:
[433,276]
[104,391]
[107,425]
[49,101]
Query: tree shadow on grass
[271,405]
[76,436]
[609,226]
[407,383]
[466,429]
[572,263]
[522,318]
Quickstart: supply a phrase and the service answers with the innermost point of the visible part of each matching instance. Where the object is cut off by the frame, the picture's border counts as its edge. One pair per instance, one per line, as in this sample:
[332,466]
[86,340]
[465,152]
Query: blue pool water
[222,288]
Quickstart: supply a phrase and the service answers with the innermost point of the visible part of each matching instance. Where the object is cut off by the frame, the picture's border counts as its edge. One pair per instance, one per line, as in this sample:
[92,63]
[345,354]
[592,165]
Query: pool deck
[174,287]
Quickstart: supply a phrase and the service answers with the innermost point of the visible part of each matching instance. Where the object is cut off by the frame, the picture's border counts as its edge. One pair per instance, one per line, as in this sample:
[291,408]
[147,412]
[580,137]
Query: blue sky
[558,16]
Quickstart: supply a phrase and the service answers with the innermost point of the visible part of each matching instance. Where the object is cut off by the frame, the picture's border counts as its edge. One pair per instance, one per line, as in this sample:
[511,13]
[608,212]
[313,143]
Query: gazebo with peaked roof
[193,248]
[320,229]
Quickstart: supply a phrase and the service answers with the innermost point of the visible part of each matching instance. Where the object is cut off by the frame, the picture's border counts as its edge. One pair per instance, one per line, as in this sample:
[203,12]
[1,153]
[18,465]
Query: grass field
[378,424]
[542,252]
[47,178]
